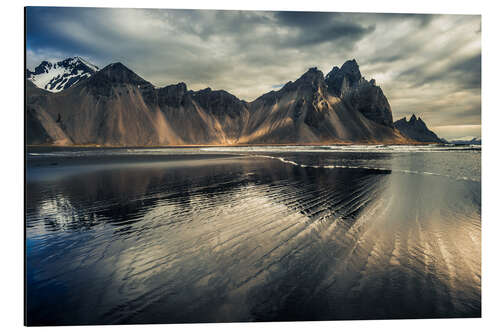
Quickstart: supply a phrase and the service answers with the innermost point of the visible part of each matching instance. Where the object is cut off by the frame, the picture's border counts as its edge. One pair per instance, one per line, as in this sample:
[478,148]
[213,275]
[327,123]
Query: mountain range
[468,140]
[73,103]
[416,129]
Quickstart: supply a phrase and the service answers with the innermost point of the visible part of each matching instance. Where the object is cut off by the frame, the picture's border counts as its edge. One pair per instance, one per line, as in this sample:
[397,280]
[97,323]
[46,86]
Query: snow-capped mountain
[467,140]
[61,75]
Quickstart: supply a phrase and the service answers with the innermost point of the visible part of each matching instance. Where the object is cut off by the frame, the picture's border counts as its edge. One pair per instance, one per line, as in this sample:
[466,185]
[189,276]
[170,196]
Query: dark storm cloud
[465,74]
[471,114]
[319,27]
[422,19]
[468,72]
[426,64]
[36,28]
[230,23]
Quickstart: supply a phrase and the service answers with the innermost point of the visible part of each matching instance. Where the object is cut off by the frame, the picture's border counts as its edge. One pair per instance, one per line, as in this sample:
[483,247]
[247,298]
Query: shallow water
[273,233]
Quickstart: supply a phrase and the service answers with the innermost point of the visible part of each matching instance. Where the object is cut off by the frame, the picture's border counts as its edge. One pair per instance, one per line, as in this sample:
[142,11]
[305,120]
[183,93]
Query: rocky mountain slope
[114,106]
[305,111]
[364,96]
[61,75]
[416,129]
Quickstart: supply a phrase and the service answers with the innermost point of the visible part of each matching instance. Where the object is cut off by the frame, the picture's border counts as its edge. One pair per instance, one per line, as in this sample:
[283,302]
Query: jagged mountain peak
[415,121]
[219,102]
[116,68]
[339,80]
[118,73]
[351,68]
[313,71]
[416,129]
[57,76]
[313,74]
[78,62]
[364,96]
[44,67]
[222,96]
[310,81]
[210,91]
[181,86]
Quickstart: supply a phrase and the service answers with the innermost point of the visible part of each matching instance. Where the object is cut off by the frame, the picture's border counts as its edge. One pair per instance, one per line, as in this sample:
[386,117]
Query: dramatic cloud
[429,65]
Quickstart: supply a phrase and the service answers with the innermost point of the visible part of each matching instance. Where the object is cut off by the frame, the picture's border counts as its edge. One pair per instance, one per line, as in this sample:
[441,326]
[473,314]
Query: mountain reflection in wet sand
[246,238]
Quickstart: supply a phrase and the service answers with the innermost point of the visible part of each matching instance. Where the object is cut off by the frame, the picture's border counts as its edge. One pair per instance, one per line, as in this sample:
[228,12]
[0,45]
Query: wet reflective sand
[210,237]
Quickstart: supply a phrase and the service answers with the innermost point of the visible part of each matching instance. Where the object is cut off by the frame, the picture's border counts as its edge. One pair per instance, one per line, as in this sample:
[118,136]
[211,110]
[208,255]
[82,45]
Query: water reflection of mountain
[123,196]
[244,239]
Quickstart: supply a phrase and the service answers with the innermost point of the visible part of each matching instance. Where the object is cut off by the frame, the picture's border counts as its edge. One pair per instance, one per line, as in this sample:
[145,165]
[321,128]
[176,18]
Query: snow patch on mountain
[466,140]
[61,75]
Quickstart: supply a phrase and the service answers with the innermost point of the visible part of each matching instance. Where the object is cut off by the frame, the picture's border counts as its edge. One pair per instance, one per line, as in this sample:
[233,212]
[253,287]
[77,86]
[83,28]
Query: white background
[12,176]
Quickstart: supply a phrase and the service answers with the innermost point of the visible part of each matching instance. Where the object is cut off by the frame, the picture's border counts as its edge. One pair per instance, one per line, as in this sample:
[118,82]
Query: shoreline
[235,145]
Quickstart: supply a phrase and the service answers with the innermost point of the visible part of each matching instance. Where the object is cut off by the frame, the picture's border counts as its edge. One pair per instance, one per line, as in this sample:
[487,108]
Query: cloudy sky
[429,65]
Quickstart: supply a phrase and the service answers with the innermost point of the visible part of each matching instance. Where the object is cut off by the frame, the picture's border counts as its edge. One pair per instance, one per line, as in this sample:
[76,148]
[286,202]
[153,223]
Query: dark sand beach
[120,236]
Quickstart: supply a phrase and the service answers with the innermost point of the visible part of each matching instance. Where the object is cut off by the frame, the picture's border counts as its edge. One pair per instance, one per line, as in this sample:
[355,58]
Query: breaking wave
[283,160]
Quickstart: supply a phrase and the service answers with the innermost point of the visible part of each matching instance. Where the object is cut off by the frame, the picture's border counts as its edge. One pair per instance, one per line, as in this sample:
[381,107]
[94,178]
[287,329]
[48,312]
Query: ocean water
[218,234]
